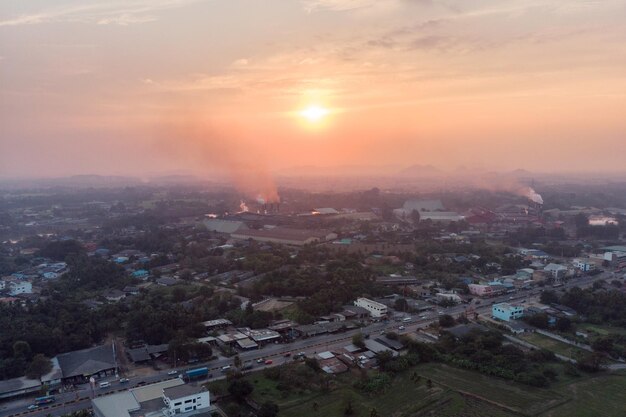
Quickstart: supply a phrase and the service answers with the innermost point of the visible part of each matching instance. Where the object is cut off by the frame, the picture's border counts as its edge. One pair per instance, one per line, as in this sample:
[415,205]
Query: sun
[314,113]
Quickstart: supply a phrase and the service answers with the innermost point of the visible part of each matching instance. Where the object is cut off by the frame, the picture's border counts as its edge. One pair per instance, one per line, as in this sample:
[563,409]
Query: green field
[602,395]
[601,330]
[552,345]
[454,393]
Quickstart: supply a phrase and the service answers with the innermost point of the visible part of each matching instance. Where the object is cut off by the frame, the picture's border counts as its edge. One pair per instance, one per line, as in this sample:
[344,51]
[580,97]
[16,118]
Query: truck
[193,374]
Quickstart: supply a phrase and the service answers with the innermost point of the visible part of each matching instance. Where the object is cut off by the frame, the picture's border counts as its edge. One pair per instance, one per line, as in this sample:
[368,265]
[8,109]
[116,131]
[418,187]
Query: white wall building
[375,309]
[185,399]
[20,287]
[583,265]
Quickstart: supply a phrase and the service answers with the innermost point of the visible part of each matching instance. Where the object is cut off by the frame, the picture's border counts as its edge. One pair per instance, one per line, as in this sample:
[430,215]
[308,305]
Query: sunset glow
[495,84]
[314,113]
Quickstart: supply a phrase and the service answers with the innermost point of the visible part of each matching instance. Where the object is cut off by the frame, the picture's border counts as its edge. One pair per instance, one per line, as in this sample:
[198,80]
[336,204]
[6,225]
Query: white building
[441,296]
[375,309]
[187,398]
[583,265]
[20,287]
[557,271]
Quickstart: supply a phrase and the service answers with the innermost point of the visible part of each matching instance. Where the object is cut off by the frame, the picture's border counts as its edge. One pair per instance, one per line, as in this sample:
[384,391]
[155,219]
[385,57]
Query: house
[186,398]
[114,295]
[140,274]
[555,270]
[167,281]
[375,309]
[483,290]
[448,297]
[19,287]
[507,312]
[583,265]
[128,290]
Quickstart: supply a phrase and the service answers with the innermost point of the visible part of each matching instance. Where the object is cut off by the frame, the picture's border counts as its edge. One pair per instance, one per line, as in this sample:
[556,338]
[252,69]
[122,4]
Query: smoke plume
[233,155]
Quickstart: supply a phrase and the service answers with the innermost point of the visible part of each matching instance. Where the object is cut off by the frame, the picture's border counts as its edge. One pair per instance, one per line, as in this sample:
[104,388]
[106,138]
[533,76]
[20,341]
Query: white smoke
[533,195]
[243,207]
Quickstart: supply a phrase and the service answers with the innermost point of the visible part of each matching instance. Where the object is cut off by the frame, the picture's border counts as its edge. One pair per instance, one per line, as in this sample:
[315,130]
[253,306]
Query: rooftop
[87,361]
[182,391]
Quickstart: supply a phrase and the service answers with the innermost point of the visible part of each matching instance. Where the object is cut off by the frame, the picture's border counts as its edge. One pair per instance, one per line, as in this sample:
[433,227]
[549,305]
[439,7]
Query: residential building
[20,287]
[584,265]
[481,290]
[507,312]
[556,271]
[186,398]
[375,309]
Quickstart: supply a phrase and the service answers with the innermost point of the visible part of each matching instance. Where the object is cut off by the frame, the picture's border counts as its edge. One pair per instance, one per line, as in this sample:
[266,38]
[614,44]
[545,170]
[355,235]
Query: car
[288,354]
[124,380]
[173,372]
[260,360]
[441,312]
[105,384]
[225,368]
[268,362]
[33,407]
[401,327]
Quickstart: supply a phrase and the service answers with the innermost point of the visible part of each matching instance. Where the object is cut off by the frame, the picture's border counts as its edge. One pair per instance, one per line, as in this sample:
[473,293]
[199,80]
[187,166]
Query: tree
[348,406]
[237,361]
[240,389]
[446,320]
[429,383]
[563,324]
[415,217]
[21,349]
[39,367]
[548,297]
[374,412]
[401,305]
[268,409]
[358,340]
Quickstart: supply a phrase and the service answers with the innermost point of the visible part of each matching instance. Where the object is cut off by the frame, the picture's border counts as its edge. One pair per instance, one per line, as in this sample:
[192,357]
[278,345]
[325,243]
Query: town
[161,300]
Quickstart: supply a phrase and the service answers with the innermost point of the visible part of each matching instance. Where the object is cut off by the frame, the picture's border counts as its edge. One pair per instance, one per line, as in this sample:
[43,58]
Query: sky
[141,87]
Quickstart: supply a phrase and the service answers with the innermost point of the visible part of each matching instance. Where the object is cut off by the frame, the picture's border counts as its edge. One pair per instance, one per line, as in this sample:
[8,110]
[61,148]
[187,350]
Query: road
[80,399]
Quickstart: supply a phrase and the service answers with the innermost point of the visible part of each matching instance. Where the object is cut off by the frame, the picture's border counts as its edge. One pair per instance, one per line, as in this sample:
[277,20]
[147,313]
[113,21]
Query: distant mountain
[420,171]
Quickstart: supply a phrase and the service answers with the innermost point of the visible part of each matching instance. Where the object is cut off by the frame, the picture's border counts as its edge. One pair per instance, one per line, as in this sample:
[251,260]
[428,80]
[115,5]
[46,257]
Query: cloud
[103,13]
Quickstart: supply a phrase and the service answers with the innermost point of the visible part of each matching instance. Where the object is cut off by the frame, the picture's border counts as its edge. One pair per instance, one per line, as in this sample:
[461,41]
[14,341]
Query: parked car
[260,360]
[173,372]
[401,327]
[33,407]
[124,380]
[104,384]
[268,362]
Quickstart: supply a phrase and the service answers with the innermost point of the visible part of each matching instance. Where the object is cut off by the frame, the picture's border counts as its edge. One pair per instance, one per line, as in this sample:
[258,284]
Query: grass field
[404,398]
[602,395]
[601,330]
[552,345]
[454,393]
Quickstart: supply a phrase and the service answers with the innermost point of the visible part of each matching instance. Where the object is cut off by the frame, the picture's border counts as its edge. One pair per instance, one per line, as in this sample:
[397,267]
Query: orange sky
[147,86]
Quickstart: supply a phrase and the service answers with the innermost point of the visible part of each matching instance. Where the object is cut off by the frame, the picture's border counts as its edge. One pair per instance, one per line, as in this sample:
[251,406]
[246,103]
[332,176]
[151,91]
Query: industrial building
[286,236]
[375,308]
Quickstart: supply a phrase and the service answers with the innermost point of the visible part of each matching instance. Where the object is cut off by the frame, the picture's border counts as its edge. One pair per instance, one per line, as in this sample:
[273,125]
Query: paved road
[73,401]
